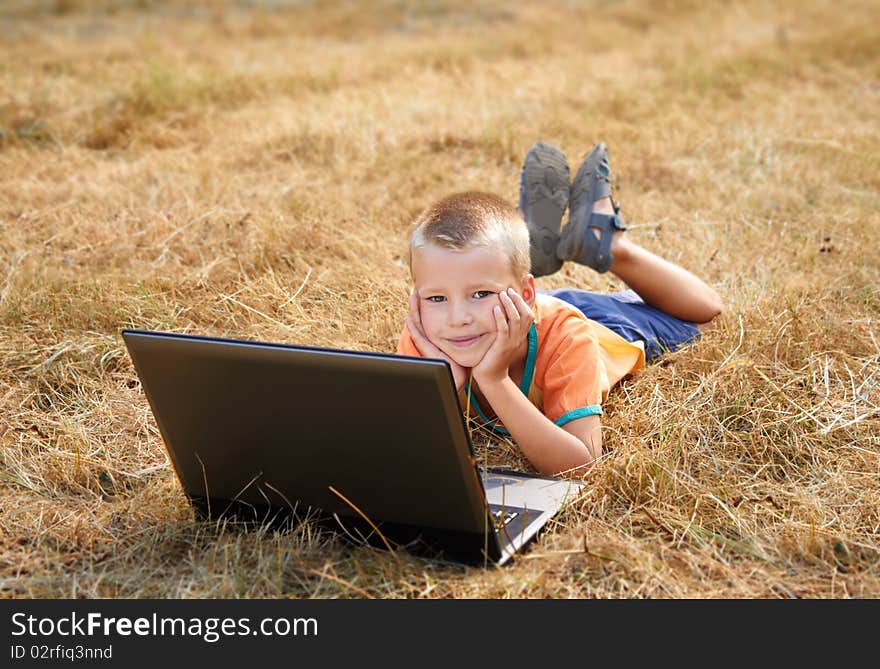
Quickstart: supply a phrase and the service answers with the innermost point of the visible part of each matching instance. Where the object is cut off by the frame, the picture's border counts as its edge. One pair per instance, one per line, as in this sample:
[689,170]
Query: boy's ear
[527,289]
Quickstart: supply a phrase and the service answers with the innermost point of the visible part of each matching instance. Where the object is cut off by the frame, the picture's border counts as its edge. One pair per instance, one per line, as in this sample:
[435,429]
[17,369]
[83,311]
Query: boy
[537,366]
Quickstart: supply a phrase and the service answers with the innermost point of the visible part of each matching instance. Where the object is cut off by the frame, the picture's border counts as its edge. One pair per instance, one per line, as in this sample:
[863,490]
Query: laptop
[373,444]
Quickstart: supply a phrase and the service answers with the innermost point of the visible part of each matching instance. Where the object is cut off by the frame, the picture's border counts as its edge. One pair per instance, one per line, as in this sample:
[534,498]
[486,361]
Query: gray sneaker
[543,198]
[578,240]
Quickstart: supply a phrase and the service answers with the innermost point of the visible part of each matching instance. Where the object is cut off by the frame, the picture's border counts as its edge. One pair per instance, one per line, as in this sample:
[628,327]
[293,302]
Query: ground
[252,169]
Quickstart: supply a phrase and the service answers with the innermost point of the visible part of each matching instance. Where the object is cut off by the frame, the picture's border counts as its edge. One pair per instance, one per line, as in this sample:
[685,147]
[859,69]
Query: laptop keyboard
[502,517]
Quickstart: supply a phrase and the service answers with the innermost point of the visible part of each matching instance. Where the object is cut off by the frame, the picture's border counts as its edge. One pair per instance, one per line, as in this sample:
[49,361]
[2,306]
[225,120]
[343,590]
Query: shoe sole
[544,193]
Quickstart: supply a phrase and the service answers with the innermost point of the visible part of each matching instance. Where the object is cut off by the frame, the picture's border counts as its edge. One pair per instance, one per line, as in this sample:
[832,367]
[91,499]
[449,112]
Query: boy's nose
[460,314]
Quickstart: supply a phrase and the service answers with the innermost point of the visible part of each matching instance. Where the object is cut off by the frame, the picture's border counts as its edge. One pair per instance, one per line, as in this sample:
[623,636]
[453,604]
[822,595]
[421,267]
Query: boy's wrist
[490,385]
[486,377]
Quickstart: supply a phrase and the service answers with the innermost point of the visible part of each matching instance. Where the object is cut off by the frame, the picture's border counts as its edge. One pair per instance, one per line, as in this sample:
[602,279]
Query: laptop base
[465,548]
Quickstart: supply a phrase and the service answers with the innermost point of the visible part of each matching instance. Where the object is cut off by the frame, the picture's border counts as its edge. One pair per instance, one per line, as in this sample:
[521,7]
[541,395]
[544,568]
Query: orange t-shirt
[571,364]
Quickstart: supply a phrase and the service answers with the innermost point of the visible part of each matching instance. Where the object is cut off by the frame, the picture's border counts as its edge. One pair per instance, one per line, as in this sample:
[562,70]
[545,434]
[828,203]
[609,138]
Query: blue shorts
[626,314]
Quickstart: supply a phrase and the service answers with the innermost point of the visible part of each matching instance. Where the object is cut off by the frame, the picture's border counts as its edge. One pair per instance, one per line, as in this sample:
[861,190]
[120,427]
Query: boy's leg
[662,284]
[594,237]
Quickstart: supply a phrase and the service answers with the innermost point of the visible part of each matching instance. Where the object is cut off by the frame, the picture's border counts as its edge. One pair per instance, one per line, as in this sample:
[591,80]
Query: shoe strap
[597,253]
[601,181]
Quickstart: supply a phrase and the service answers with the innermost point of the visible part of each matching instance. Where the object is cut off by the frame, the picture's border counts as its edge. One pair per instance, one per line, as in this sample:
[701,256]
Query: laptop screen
[286,426]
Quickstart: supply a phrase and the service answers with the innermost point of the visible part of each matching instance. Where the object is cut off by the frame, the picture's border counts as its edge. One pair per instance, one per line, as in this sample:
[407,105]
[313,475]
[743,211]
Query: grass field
[252,169]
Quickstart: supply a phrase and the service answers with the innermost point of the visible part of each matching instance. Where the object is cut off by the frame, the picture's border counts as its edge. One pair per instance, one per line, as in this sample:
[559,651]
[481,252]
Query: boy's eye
[479,295]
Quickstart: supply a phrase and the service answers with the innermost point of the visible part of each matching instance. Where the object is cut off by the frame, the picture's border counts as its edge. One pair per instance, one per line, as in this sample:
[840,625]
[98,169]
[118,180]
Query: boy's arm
[589,430]
[551,449]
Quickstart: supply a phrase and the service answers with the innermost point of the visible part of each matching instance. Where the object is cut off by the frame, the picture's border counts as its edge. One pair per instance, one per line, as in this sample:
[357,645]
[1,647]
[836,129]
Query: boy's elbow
[591,453]
[577,471]
[594,448]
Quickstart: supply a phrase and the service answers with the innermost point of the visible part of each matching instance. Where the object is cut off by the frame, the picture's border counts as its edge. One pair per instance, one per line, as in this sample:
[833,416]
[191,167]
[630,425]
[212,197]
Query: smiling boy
[535,365]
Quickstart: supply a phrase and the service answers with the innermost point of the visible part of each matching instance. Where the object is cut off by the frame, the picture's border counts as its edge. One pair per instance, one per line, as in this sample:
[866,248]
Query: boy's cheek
[431,334]
[429,327]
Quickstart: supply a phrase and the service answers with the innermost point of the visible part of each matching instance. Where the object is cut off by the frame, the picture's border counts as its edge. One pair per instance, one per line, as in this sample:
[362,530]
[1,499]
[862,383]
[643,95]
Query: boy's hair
[464,221]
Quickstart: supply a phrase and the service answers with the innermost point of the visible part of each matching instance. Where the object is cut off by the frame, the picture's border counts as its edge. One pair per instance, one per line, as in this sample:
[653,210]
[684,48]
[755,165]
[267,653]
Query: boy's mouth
[463,342]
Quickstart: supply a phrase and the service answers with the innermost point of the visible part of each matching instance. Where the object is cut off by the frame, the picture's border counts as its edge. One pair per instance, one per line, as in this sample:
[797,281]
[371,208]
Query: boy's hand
[513,317]
[414,324]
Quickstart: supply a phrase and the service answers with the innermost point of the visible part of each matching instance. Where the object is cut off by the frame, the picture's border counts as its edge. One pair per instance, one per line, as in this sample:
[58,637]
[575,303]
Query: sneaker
[586,238]
[543,198]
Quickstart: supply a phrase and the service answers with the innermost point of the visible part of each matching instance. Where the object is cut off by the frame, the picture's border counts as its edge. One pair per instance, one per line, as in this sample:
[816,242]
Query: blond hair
[464,221]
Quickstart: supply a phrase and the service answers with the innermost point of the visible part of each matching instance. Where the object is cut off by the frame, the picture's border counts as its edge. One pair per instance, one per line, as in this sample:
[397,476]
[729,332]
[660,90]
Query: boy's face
[457,291]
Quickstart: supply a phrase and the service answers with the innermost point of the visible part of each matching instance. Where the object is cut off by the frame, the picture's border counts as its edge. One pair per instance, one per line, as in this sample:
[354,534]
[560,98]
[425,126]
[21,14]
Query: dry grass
[251,169]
